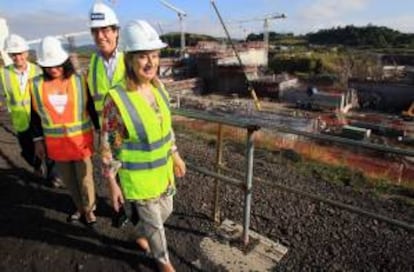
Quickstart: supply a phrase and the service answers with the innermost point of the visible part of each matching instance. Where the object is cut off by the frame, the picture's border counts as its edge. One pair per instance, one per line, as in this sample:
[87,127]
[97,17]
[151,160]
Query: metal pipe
[219,156]
[249,84]
[182,36]
[317,136]
[242,123]
[226,119]
[249,185]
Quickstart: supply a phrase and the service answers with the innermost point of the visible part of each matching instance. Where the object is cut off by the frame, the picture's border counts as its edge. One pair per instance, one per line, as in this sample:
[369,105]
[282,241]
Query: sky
[35,19]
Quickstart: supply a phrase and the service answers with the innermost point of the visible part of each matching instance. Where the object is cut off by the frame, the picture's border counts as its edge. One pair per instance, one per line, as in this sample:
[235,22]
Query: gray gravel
[319,237]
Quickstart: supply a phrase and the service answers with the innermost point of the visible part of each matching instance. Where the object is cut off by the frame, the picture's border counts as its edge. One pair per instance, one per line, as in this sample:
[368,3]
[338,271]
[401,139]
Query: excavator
[408,115]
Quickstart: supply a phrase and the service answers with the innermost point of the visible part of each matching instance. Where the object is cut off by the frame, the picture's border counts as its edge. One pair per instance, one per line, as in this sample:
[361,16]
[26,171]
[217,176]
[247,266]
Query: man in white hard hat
[106,66]
[13,82]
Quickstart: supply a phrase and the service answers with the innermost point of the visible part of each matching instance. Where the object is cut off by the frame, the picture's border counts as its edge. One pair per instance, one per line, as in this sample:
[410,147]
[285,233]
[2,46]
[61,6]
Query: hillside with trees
[367,36]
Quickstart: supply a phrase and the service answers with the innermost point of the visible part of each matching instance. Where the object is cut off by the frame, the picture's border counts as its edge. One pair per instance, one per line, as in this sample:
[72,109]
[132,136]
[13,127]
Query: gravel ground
[35,237]
[319,236]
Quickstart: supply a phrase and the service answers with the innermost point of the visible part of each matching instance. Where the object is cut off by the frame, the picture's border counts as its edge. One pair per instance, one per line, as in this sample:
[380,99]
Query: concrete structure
[382,95]
[225,252]
[274,85]
[219,68]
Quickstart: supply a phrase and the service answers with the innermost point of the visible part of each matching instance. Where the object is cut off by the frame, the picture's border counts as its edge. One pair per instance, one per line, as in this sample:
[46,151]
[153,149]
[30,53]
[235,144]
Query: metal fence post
[219,156]
[249,183]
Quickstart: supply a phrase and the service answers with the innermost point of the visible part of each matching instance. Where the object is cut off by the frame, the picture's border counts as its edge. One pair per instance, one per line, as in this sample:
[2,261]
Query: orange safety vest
[69,135]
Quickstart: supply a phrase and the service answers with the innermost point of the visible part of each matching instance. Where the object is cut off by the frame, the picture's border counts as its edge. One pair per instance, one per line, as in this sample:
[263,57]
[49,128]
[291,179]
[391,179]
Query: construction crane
[248,82]
[181,14]
[265,20]
[4,32]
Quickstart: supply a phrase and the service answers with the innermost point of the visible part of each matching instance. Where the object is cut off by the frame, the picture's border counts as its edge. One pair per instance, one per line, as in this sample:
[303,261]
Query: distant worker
[106,66]
[138,140]
[13,84]
[63,118]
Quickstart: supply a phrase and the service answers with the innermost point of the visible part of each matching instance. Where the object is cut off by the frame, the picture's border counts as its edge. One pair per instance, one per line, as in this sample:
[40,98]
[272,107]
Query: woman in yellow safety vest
[137,143]
[61,122]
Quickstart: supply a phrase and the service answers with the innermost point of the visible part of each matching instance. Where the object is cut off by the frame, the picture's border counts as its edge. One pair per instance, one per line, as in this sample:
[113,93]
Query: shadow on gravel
[25,214]
[29,211]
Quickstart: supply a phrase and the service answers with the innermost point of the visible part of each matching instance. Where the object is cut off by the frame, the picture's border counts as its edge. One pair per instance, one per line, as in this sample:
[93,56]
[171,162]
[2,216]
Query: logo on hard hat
[97,16]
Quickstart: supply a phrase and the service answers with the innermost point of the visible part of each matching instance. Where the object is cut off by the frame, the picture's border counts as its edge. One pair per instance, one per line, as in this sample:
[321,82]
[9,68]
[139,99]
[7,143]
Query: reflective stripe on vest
[76,127]
[98,82]
[18,103]
[146,154]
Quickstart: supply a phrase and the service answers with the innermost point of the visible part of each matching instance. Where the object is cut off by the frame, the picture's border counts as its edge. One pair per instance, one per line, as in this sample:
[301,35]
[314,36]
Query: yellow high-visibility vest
[98,82]
[17,101]
[147,167]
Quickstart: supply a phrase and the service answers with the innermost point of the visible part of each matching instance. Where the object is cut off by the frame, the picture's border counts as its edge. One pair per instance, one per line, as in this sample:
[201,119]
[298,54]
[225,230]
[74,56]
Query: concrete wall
[384,96]
[254,56]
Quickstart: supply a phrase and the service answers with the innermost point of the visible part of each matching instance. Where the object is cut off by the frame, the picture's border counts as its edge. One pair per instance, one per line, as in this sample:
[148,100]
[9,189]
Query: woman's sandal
[90,219]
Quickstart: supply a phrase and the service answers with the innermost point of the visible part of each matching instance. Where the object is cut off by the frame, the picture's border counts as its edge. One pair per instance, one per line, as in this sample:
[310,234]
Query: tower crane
[181,14]
[4,32]
[265,20]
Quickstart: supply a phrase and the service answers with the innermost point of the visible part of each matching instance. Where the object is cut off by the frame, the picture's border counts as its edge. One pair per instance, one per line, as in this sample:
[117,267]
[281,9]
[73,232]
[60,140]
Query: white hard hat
[139,35]
[15,44]
[51,52]
[101,15]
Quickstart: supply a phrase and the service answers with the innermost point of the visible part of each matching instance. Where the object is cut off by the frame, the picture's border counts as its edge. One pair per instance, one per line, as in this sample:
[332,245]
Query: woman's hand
[116,196]
[179,165]
[40,150]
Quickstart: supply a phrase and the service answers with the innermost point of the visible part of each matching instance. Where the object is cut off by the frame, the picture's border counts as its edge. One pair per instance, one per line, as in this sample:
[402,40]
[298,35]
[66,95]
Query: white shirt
[23,76]
[58,102]
[110,64]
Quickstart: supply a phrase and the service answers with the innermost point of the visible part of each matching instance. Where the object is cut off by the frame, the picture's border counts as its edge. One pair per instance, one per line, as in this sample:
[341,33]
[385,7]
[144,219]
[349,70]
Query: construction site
[285,173]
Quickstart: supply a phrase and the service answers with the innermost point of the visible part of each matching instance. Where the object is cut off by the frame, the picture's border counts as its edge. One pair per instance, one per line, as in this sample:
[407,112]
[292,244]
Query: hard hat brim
[155,45]
[17,50]
[52,62]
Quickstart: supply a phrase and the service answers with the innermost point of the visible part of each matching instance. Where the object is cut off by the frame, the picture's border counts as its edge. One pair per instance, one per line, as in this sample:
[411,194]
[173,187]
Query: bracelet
[174,149]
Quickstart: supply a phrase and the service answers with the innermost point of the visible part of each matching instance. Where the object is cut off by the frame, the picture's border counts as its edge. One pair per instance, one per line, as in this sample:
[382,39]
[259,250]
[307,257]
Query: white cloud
[402,23]
[330,9]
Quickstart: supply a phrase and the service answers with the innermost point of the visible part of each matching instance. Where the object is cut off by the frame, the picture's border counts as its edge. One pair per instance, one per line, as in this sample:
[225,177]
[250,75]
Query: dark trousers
[27,149]
[27,152]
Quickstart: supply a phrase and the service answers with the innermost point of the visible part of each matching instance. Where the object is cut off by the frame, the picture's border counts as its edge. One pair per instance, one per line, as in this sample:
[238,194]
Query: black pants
[27,152]
[27,149]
